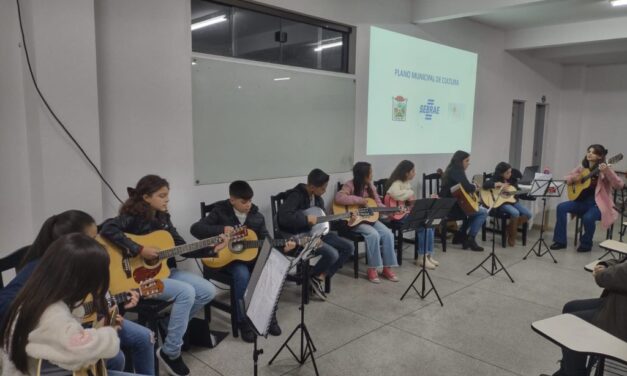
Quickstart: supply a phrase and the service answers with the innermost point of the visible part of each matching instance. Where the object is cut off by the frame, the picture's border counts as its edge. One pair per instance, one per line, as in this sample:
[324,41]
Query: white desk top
[590,267]
[614,246]
[578,335]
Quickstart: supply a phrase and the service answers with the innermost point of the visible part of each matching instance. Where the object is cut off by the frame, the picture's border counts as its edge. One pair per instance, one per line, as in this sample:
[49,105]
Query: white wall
[143,118]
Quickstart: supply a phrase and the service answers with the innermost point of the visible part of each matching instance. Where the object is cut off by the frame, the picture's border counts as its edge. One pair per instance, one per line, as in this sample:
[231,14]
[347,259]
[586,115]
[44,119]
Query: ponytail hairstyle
[53,228]
[135,205]
[361,170]
[74,266]
[399,173]
[597,149]
[457,162]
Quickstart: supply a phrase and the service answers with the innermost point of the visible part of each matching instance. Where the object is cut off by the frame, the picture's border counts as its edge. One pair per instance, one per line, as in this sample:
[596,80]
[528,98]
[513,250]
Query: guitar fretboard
[185,248]
[329,218]
[118,299]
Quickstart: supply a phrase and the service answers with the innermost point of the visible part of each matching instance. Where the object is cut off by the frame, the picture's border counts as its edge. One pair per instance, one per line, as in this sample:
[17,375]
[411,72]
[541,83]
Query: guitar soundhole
[141,274]
[236,247]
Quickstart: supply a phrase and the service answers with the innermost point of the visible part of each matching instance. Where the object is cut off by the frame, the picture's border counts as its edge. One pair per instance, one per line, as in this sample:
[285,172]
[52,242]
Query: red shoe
[389,274]
[373,276]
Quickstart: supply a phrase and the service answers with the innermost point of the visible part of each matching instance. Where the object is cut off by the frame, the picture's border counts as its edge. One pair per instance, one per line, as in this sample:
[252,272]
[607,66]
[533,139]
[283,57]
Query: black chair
[501,219]
[275,202]
[11,261]
[431,184]
[345,232]
[395,226]
[222,277]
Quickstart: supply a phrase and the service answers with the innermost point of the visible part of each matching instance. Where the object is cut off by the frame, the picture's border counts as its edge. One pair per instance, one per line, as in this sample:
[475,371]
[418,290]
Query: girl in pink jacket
[593,204]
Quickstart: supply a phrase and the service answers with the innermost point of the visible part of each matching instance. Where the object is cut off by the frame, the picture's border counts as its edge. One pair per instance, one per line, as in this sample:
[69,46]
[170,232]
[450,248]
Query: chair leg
[327,284]
[503,232]
[443,232]
[399,247]
[525,228]
[483,231]
[234,325]
[356,259]
[576,230]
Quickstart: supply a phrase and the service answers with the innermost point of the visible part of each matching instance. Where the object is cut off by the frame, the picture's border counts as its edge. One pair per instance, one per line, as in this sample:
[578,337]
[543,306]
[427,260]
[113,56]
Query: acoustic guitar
[146,289]
[127,272]
[468,202]
[364,214]
[392,203]
[575,189]
[245,249]
[45,368]
[495,197]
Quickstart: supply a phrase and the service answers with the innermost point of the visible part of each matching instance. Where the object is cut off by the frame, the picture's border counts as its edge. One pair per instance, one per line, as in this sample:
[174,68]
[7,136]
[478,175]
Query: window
[250,31]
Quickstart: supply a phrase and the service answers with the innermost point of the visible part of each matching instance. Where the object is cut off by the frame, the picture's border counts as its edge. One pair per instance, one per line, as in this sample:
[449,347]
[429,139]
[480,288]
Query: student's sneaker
[317,288]
[373,276]
[274,329]
[428,264]
[389,274]
[581,248]
[246,332]
[555,246]
[430,258]
[174,367]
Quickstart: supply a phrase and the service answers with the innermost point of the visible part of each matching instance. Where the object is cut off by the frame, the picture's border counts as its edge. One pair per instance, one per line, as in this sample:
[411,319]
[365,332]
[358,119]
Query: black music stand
[426,213]
[544,188]
[263,292]
[495,263]
[307,347]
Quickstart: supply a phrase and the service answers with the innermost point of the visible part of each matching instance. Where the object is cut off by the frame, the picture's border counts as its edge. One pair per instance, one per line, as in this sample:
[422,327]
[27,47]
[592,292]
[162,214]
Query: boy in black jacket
[334,250]
[238,210]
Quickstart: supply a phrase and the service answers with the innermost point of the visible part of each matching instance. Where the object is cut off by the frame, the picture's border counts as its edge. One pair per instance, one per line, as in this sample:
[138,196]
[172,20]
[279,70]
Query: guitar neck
[119,299]
[334,217]
[384,210]
[247,244]
[190,247]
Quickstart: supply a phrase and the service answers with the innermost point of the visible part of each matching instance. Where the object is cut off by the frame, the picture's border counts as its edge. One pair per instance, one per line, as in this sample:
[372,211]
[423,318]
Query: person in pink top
[379,239]
[593,204]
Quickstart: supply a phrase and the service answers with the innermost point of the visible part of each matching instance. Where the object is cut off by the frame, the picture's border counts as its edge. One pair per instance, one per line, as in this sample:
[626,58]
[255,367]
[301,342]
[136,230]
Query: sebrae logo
[429,109]
[399,108]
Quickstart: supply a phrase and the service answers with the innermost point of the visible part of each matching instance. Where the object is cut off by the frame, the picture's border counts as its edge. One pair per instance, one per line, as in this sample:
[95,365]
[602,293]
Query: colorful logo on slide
[399,108]
[429,109]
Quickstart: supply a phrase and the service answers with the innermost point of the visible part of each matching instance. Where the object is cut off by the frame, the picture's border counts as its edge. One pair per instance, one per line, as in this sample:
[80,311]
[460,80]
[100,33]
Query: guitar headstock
[239,233]
[616,158]
[150,287]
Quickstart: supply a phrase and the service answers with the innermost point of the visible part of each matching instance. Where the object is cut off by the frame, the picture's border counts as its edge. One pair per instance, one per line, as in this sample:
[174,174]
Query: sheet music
[267,291]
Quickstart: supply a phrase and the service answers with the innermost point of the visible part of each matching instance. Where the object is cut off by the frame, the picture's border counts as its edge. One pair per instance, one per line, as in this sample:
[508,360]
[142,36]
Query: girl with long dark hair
[398,188]
[454,174]
[518,214]
[593,204]
[145,211]
[40,323]
[379,238]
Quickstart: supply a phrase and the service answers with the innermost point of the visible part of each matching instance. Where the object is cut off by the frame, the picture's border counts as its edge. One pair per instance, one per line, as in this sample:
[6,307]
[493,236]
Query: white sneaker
[428,263]
[436,263]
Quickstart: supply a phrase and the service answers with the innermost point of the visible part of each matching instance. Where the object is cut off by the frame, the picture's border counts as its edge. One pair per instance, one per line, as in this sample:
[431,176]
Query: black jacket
[451,178]
[222,215]
[113,229]
[613,312]
[290,216]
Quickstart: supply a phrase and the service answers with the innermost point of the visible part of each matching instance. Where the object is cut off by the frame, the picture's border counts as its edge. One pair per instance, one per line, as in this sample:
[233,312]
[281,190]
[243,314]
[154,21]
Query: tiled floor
[364,329]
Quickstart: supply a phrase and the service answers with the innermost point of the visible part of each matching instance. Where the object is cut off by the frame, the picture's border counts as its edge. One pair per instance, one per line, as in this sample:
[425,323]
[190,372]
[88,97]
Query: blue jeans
[379,242]
[139,342]
[117,362]
[474,222]
[333,253]
[420,241]
[515,210]
[574,363]
[241,275]
[190,293]
[590,214]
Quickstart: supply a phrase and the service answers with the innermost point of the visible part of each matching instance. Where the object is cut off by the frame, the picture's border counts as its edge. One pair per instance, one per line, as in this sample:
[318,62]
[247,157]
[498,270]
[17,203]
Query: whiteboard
[249,126]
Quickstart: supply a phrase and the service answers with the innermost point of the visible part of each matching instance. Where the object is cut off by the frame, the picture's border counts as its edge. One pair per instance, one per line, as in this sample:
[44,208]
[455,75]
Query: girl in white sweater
[40,323]
[398,188]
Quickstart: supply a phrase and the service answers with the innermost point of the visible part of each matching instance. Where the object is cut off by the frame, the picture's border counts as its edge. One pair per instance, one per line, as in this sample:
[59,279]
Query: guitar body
[469,203]
[45,368]
[127,273]
[233,252]
[392,203]
[495,197]
[575,189]
[369,219]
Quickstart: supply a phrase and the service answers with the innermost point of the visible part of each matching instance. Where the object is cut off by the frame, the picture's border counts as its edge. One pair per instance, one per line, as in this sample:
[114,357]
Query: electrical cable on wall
[32,75]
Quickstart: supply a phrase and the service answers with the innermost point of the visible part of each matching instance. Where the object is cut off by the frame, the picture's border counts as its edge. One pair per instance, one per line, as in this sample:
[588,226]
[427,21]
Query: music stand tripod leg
[495,262]
[425,275]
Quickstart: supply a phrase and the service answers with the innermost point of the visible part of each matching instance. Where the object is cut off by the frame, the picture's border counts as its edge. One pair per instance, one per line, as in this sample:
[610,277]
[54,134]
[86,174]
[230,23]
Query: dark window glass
[333,58]
[301,40]
[254,36]
[215,37]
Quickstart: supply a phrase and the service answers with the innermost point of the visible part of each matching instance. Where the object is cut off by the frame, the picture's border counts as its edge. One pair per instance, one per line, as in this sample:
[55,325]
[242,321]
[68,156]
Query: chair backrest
[432,181]
[380,186]
[206,209]
[275,202]
[11,261]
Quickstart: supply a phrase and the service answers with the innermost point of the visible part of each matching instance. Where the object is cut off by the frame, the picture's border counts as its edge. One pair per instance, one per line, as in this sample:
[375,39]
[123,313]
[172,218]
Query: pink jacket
[345,195]
[603,193]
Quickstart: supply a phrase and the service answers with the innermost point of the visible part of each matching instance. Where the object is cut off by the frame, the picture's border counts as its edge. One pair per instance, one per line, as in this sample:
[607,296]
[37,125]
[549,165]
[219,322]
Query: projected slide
[421,96]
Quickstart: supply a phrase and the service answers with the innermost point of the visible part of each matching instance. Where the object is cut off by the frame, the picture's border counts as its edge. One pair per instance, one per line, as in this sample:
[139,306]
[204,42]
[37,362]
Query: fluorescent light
[282,78]
[325,46]
[208,22]
[618,3]
[194,62]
